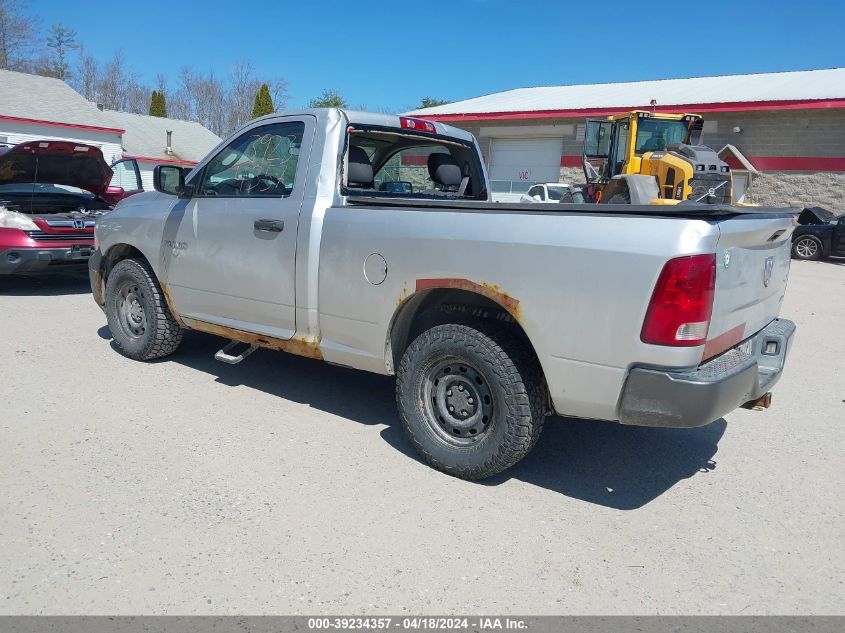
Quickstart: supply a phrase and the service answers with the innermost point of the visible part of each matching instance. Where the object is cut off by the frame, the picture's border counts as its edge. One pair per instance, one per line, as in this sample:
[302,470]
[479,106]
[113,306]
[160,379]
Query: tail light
[417,124]
[682,303]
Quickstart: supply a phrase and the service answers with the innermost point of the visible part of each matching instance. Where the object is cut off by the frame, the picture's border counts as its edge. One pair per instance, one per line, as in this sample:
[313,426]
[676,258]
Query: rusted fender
[488,290]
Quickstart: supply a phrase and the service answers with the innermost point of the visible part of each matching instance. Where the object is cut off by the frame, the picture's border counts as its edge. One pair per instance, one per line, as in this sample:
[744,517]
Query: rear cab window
[393,162]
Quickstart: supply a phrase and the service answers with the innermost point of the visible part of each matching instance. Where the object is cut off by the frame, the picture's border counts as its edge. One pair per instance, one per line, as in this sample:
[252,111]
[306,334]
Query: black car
[820,233]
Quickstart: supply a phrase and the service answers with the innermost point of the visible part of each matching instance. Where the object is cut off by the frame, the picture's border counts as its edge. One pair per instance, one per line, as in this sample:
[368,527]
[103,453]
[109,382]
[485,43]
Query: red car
[51,193]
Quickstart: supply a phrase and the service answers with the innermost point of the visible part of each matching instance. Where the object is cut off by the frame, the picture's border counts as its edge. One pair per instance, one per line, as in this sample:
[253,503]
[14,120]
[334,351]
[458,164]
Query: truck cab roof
[359,117]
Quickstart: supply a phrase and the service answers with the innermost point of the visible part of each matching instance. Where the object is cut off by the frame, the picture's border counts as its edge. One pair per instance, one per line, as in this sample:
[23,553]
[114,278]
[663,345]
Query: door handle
[271,226]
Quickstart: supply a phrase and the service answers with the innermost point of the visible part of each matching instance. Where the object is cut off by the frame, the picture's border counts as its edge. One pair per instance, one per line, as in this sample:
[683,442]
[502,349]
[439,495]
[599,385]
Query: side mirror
[170,179]
[113,195]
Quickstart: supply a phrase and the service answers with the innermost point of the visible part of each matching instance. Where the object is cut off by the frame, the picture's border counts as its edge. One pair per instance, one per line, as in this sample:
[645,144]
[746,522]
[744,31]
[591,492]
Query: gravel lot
[286,486]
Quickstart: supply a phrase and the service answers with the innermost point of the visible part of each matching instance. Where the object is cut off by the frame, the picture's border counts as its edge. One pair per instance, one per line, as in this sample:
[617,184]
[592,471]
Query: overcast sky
[391,54]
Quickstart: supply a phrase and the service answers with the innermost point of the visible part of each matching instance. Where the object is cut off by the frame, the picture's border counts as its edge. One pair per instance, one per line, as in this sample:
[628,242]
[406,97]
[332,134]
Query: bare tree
[60,40]
[178,106]
[84,80]
[279,91]
[136,98]
[161,84]
[240,95]
[187,91]
[211,97]
[112,82]
[206,97]
[18,32]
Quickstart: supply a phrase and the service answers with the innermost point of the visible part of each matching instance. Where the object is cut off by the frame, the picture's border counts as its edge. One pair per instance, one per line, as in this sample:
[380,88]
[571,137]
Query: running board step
[224,356]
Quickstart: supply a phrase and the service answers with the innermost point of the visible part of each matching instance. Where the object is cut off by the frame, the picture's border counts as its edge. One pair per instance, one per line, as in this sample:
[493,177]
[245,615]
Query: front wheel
[807,247]
[139,319]
[472,405]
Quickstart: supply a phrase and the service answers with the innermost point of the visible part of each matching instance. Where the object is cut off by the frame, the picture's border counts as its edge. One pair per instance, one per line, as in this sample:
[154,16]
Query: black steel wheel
[458,400]
[132,318]
[140,322]
[471,403]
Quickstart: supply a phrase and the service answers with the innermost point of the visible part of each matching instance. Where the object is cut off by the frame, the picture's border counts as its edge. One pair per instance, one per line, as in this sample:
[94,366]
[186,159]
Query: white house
[155,141]
[35,108]
[43,108]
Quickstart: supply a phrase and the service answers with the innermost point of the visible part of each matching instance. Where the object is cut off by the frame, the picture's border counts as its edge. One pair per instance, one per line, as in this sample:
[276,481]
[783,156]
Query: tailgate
[752,266]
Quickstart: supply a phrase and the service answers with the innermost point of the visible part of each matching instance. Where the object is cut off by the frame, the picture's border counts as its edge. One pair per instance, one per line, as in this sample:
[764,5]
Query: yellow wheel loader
[652,158]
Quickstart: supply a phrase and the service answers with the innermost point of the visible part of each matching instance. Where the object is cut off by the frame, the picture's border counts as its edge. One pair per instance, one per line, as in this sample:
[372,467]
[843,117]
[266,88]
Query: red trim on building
[75,126]
[162,161]
[727,106]
[797,163]
[733,162]
[763,163]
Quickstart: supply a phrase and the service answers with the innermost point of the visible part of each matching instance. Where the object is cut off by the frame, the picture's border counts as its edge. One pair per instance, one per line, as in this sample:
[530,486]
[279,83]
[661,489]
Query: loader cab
[616,145]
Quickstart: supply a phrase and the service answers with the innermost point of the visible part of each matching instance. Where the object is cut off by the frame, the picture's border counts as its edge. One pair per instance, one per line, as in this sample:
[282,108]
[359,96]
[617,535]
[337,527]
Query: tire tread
[516,370]
[167,331]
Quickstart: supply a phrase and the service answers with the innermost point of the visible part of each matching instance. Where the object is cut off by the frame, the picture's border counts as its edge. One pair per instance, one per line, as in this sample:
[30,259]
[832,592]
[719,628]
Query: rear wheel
[139,319]
[807,247]
[471,404]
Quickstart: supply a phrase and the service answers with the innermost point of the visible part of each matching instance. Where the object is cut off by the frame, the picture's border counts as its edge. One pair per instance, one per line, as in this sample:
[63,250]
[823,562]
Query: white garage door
[516,164]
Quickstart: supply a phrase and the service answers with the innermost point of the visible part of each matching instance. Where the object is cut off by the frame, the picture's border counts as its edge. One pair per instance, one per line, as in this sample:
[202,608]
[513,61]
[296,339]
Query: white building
[155,141]
[785,131]
[43,108]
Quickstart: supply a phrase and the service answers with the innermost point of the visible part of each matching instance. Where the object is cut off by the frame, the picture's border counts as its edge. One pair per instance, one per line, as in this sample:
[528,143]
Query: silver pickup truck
[369,241]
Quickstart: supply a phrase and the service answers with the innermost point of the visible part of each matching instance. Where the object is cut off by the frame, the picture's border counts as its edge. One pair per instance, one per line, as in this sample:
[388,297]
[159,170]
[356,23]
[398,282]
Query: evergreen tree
[163,101]
[157,104]
[329,99]
[430,102]
[263,102]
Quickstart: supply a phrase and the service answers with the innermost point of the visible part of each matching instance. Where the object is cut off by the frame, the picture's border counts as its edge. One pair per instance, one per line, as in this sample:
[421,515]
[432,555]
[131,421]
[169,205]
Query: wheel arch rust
[428,293]
[100,274]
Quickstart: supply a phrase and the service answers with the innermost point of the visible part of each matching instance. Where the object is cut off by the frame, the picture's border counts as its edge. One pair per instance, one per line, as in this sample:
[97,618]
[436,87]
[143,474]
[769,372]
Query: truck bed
[684,210]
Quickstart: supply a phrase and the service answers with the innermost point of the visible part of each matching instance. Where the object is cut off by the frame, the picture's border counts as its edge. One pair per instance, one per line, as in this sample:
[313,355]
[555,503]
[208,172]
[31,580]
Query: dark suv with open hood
[819,234]
[51,193]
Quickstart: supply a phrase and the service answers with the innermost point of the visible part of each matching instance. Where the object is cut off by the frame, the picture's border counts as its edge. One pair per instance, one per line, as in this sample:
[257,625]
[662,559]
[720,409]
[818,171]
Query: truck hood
[56,163]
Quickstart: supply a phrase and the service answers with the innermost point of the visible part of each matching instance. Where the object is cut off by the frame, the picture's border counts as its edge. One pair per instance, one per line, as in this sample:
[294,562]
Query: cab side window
[260,163]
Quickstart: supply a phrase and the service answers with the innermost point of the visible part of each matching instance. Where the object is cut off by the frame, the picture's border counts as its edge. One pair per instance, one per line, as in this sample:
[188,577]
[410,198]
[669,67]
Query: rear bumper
[32,260]
[695,397]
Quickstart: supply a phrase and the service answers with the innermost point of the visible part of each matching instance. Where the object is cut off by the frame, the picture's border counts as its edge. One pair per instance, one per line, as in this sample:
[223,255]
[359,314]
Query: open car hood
[57,163]
[815,215]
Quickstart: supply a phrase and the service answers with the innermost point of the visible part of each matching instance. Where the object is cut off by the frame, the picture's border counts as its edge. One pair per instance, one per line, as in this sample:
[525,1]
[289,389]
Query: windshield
[555,193]
[654,135]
